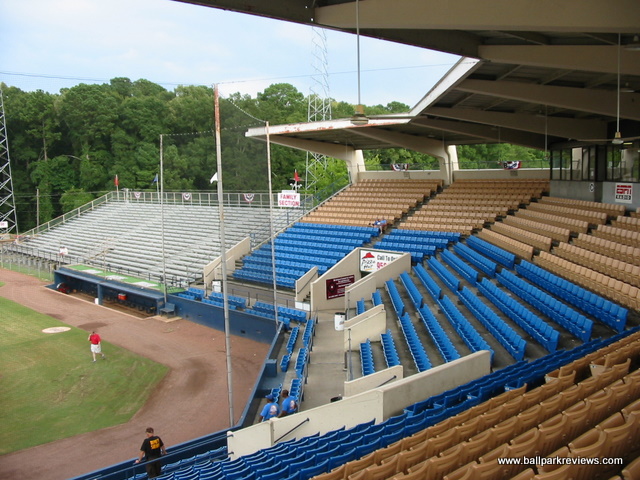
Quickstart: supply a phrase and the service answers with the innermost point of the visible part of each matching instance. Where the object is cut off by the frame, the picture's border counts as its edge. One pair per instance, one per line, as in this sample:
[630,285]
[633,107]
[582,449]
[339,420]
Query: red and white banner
[248,197]
[186,196]
[511,165]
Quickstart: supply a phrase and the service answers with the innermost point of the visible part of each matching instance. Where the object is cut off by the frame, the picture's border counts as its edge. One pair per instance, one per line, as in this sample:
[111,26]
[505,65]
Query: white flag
[214,178]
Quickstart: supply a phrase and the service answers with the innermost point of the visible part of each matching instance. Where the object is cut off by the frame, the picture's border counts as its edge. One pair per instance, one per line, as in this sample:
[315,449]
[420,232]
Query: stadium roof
[532,73]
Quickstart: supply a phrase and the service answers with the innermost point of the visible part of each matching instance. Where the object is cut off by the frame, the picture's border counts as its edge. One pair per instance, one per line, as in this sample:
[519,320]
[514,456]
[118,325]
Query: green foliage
[76,141]
[74,198]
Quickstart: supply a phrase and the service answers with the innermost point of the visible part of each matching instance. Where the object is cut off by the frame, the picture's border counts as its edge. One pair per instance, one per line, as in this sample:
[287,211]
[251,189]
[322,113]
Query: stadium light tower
[8,219]
[319,107]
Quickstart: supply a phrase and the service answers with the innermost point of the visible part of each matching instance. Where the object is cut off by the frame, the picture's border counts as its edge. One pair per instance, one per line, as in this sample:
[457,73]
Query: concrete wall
[521,173]
[213,270]
[604,192]
[375,380]
[363,288]
[379,404]
[589,191]
[609,194]
[412,174]
[350,265]
[369,324]
[303,284]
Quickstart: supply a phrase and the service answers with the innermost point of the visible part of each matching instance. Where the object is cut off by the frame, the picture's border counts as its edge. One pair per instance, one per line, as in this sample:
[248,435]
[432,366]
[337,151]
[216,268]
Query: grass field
[50,388]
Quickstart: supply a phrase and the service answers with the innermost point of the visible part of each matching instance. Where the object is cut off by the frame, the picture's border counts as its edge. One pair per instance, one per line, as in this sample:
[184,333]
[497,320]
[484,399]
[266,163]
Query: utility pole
[319,107]
[8,219]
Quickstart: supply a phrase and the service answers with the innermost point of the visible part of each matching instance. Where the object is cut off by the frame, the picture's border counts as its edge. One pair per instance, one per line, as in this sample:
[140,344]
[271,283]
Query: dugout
[108,291]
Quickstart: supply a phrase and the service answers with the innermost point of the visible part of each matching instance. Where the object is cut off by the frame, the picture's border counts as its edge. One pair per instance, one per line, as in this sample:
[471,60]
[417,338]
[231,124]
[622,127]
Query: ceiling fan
[617,139]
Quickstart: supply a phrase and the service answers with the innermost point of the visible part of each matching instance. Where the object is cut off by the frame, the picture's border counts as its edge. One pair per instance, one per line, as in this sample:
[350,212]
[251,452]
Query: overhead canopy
[533,73]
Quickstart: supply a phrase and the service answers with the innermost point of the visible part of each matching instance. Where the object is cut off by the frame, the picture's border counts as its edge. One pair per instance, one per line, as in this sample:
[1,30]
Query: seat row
[630,223]
[417,252]
[503,333]
[625,253]
[608,208]
[536,240]
[340,228]
[620,235]
[439,337]
[448,278]
[469,273]
[428,282]
[366,358]
[420,234]
[571,320]
[509,244]
[465,228]
[389,350]
[604,310]
[596,218]
[613,267]
[572,224]
[492,251]
[539,330]
[556,233]
[482,263]
[621,292]
[416,348]
[463,328]
[443,343]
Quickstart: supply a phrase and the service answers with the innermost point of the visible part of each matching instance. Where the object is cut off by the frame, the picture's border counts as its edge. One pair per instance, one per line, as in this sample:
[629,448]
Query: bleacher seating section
[556,405]
[127,237]
[361,203]
[300,248]
[574,402]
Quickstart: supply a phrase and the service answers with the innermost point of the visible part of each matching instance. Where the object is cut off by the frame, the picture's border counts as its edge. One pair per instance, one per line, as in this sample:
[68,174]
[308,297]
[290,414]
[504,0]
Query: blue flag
[155,179]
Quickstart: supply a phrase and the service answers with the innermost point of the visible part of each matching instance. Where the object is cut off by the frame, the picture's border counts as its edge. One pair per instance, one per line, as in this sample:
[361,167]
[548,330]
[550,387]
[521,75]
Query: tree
[74,198]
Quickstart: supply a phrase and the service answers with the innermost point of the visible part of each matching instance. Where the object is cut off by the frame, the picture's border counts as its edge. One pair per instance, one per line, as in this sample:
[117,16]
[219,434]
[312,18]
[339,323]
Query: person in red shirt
[96,347]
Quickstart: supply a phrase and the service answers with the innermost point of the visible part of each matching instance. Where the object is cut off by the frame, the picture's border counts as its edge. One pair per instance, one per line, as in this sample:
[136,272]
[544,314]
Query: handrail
[294,428]
[387,381]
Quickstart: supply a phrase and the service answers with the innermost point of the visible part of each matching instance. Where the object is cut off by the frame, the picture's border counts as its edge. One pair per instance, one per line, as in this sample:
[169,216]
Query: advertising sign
[374,260]
[336,286]
[288,198]
[624,192]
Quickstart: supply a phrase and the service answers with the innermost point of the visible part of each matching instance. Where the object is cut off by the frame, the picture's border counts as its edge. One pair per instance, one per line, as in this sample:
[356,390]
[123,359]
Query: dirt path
[190,402]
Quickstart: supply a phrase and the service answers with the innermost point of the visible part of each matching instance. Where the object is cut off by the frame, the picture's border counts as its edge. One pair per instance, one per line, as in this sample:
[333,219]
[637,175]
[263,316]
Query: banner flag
[511,165]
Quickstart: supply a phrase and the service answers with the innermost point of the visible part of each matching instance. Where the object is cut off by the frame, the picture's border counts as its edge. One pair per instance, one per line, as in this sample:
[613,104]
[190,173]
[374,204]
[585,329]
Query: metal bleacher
[130,237]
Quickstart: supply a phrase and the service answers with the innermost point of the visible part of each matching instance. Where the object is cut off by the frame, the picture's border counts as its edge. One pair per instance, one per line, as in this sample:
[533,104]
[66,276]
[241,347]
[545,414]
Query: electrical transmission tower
[8,222]
[319,107]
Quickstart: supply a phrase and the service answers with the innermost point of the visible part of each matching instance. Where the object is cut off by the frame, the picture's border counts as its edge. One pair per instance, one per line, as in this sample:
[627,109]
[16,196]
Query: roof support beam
[508,15]
[292,10]
[588,58]
[486,133]
[552,126]
[601,102]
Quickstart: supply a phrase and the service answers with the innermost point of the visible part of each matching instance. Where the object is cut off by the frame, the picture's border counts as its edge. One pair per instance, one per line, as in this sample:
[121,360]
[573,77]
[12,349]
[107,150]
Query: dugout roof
[532,73]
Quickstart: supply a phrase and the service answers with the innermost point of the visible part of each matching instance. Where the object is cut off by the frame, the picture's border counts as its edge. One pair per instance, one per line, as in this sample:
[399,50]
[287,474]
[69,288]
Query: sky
[53,44]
